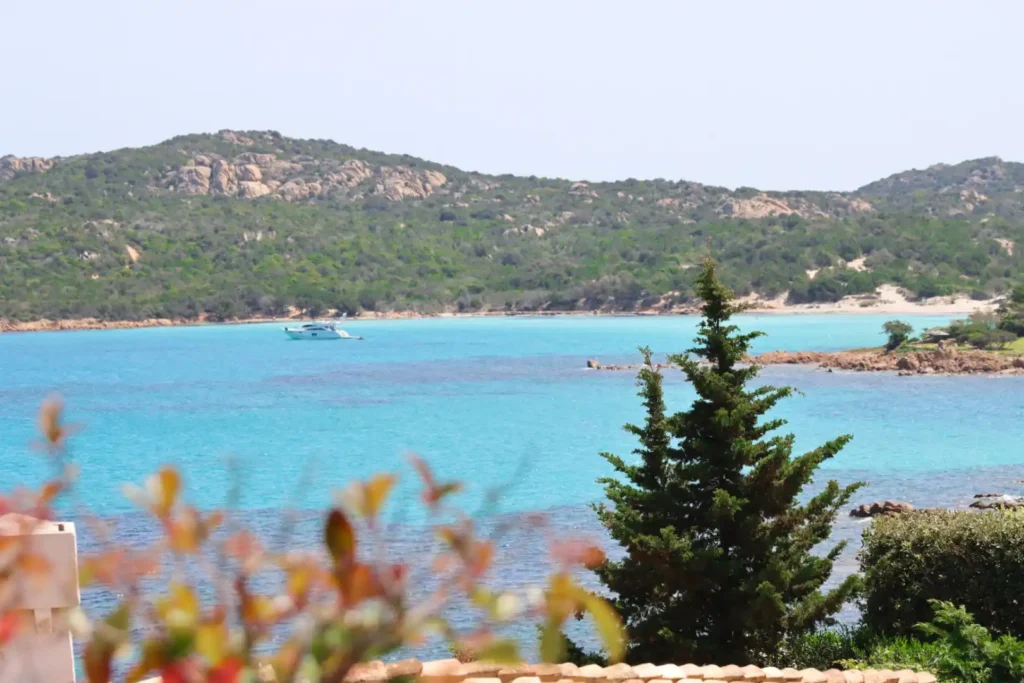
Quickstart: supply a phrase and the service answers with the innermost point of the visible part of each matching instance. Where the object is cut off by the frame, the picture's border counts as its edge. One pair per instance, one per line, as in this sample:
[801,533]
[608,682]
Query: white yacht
[318,331]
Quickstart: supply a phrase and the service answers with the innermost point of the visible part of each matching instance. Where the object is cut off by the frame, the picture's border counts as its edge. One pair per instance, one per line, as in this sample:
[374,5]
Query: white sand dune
[886,299]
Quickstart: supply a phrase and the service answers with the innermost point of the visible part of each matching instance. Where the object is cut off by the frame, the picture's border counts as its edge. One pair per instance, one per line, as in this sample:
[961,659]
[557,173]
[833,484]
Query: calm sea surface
[497,402]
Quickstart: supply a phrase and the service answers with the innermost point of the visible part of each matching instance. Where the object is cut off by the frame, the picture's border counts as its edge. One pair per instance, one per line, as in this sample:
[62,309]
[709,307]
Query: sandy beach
[887,300]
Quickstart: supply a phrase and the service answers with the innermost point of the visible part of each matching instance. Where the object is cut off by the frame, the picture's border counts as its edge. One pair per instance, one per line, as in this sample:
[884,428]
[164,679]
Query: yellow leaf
[340,537]
[169,484]
[299,579]
[376,493]
[563,597]
[86,574]
[210,641]
[609,626]
[258,609]
[180,600]
[183,536]
[483,598]
[120,620]
[552,643]
[153,657]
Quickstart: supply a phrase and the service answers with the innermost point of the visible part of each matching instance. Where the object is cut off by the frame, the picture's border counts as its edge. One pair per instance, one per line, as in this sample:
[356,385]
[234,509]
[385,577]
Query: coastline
[887,302]
[944,360]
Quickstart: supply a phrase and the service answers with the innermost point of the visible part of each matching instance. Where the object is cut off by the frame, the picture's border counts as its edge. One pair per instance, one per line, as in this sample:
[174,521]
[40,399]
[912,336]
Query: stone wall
[453,671]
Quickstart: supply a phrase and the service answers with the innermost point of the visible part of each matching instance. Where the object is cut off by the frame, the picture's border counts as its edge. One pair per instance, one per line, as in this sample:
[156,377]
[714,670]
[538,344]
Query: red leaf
[9,624]
[97,662]
[340,538]
[228,671]
[577,551]
[359,584]
[174,673]
[243,546]
[434,492]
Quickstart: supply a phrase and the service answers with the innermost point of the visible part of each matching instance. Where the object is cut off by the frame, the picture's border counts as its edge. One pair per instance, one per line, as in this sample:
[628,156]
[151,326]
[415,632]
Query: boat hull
[319,335]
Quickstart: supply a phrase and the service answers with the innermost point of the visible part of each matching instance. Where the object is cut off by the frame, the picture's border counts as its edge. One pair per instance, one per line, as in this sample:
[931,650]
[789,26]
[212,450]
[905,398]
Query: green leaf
[552,643]
[609,627]
[120,619]
[500,652]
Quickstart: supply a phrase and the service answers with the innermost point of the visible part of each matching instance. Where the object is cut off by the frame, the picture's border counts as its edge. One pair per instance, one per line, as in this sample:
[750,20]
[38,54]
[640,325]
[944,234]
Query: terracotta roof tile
[713,672]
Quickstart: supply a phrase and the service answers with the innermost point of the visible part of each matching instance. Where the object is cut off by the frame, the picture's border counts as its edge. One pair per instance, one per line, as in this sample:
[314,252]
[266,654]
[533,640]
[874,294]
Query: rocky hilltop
[261,164]
[249,175]
[10,166]
[242,224]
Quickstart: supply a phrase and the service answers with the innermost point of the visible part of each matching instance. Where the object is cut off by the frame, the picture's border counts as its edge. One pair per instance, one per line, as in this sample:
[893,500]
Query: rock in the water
[593,364]
[888,507]
[998,502]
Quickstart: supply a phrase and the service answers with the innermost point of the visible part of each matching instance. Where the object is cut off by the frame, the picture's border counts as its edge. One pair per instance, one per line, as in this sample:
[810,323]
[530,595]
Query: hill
[240,224]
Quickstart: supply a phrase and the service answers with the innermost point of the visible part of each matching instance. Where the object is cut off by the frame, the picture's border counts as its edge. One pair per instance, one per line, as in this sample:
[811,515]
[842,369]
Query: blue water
[495,402]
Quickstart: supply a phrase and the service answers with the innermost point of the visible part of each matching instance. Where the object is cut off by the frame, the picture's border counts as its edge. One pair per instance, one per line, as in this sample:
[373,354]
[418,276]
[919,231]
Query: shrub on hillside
[973,559]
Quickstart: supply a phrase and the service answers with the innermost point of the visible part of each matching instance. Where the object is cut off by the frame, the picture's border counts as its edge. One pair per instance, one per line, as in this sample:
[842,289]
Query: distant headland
[250,225]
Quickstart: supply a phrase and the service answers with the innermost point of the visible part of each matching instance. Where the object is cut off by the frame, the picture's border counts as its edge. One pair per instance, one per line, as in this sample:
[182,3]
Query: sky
[774,94]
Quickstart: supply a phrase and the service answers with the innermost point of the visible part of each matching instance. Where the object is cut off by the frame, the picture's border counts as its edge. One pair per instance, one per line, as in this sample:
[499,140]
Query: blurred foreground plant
[333,610]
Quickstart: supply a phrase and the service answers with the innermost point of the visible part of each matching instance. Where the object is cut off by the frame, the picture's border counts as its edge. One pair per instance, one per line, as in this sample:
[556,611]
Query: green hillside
[251,223]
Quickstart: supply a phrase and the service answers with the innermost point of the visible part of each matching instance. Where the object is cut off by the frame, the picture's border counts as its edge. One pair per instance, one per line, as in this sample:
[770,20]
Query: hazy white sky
[777,94]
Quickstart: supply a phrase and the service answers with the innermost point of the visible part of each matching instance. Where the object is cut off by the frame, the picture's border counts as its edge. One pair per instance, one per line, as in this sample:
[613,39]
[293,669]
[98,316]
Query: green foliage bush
[974,559]
[899,332]
[1011,313]
[952,647]
[824,649]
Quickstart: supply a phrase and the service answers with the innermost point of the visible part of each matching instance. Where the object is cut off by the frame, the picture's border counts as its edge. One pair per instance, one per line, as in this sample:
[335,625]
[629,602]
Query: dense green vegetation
[941,594]
[1002,329]
[898,334]
[476,242]
[975,560]
[951,645]
[719,564]
[723,562]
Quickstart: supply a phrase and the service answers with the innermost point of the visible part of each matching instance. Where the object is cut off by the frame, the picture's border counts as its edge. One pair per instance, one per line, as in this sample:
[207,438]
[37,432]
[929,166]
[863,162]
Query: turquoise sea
[500,403]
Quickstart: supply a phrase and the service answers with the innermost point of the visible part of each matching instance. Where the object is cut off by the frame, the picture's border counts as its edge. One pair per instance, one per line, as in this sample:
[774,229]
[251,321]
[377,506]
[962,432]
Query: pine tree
[718,564]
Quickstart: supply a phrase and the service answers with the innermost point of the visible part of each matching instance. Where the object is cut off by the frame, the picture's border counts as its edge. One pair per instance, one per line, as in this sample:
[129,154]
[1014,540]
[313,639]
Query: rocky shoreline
[982,501]
[942,361]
